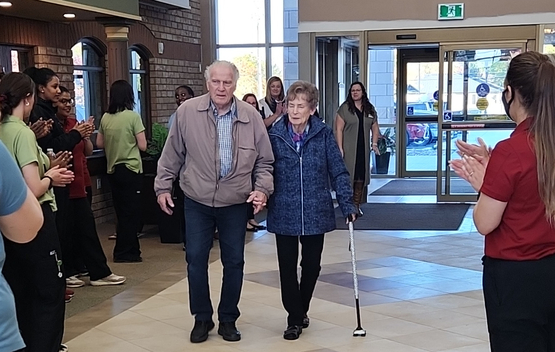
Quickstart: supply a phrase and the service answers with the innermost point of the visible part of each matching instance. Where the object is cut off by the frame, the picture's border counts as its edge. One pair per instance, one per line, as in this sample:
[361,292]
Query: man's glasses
[67,102]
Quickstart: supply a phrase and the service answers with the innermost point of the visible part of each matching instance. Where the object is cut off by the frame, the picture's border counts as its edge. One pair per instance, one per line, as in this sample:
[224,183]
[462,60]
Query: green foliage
[157,140]
[386,140]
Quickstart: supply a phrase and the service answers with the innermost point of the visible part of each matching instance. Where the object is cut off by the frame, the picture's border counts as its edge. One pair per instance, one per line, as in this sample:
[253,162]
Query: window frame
[144,56]
[100,51]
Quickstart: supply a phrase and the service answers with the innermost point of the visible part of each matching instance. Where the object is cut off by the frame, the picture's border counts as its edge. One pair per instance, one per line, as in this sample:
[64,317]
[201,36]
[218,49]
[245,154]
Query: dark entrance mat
[404,187]
[403,216]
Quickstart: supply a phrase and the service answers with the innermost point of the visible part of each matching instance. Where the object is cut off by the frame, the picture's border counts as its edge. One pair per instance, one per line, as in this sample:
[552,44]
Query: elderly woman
[307,160]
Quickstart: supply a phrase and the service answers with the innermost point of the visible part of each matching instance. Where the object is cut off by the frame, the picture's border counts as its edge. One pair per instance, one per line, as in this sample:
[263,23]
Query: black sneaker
[229,332]
[293,332]
[200,331]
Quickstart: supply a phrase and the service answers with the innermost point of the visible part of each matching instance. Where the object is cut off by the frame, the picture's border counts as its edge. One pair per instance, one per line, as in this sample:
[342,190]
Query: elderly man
[217,146]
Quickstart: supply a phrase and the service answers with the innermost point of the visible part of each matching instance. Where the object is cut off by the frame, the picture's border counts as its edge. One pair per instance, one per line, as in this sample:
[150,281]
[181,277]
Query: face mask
[507,105]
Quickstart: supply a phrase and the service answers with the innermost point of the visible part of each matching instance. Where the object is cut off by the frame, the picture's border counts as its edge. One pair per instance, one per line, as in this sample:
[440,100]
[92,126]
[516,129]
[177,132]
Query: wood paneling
[23,32]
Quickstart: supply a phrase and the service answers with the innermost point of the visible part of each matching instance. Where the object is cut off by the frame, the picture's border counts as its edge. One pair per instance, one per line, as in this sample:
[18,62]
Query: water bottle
[50,153]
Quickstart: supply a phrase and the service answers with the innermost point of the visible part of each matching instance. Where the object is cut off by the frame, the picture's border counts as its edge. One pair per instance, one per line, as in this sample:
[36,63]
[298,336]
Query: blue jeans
[201,222]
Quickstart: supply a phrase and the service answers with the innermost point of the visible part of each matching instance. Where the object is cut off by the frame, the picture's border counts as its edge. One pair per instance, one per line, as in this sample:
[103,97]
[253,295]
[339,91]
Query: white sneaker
[73,282]
[111,279]
[64,348]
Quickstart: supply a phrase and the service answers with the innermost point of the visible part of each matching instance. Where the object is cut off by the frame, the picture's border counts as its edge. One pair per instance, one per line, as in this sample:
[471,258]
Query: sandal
[293,332]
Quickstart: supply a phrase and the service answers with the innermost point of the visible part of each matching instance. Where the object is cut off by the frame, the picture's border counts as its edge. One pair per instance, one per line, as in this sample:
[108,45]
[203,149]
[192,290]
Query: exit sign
[450,11]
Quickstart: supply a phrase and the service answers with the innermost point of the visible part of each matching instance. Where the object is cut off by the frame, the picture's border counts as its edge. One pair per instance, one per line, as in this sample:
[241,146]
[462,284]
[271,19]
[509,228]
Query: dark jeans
[520,304]
[296,297]
[126,195]
[85,244]
[201,222]
[38,285]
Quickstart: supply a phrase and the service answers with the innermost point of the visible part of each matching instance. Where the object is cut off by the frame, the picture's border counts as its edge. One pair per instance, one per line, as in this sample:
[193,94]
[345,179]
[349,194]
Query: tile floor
[419,291]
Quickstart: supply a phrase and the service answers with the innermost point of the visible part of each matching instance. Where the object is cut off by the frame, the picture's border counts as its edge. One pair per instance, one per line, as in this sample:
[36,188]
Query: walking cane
[359,331]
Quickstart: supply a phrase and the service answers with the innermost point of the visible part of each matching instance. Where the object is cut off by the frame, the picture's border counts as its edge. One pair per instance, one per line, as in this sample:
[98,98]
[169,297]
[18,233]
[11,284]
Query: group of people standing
[49,147]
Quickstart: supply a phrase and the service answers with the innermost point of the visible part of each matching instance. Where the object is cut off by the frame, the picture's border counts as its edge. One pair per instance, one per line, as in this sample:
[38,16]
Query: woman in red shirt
[82,228]
[516,211]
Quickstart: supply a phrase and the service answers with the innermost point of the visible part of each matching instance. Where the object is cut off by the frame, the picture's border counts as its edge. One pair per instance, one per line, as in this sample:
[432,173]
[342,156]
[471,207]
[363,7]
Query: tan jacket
[191,151]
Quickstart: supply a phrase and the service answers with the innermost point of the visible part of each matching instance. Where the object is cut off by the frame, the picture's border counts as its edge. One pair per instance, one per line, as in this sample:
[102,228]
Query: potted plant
[169,226]
[386,147]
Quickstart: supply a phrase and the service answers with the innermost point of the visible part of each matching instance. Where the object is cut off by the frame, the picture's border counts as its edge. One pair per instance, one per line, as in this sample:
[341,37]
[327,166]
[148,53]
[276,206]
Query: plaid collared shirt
[224,125]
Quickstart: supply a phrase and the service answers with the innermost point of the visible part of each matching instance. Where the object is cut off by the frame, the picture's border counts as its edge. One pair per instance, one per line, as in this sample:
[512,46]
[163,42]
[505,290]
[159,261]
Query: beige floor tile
[436,340]
[390,327]
[477,330]
[334,338]
[95,340]
[441,319]
[133,331]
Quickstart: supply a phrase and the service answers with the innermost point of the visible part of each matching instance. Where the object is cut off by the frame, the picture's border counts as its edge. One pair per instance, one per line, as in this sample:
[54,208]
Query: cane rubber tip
[359,333]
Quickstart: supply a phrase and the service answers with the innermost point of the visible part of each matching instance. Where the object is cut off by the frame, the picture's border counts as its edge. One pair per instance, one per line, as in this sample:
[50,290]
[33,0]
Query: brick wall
[166,74]
[58,60]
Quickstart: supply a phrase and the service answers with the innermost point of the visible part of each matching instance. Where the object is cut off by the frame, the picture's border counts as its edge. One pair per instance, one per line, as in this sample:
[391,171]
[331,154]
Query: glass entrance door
[419,74]
[470,106]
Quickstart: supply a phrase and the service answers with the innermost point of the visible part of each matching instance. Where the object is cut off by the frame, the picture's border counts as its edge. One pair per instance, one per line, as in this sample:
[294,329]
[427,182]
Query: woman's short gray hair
[216,63]
[307,89]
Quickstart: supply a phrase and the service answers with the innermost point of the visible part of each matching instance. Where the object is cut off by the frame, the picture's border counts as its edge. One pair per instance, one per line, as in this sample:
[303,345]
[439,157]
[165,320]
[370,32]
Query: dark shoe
[293,332]
[251,228]
[131,260]
[229,332]
[200,331]
[260,227]
[306,322]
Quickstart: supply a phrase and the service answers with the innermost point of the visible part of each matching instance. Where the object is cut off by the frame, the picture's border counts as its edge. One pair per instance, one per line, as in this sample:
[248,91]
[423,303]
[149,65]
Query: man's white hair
[208,71]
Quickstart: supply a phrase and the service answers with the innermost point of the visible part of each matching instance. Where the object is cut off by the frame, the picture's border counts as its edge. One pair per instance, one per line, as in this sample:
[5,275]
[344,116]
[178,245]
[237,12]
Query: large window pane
[251,63]
[285,64]
[284,17]
[240,21]
[549,40]
[88,78]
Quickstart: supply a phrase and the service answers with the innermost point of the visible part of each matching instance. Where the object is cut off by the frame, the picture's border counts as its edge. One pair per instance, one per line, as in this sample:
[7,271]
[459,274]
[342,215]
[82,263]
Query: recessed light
[69,15]
[5,4]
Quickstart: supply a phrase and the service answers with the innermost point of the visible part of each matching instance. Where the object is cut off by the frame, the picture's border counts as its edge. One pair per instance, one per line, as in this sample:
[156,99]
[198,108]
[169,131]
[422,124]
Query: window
[13,59]
[549,39]
[261,38]
[139,81]
[89,80]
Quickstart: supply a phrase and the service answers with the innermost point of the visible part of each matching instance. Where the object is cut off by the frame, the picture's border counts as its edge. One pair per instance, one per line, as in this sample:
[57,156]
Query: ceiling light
[5,4]
[69,15]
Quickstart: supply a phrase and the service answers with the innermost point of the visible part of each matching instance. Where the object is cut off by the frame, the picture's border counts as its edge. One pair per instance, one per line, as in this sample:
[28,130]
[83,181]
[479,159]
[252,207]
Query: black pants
[36,279]
[85,244]
[126,195]
[62,223]
[296,297]
[520,304]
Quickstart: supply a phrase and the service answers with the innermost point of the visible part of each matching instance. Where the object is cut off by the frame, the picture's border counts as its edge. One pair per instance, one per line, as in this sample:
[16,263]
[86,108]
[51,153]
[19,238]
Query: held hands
[258,200]
[60,176]
[166,203]
[61,159]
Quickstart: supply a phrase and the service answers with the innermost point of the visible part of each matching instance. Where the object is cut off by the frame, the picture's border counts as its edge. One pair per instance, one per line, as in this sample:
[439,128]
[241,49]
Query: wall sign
[450,11]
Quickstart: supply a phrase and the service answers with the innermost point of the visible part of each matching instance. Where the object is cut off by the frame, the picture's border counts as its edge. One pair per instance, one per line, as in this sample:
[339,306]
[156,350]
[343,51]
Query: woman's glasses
[67,102]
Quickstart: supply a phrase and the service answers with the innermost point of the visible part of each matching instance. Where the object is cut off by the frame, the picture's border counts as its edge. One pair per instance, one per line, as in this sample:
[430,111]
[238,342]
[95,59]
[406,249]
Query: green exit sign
[450,11]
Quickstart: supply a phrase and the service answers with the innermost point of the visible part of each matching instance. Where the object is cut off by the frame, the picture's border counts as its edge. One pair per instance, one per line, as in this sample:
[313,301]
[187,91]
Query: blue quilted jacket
[301,203]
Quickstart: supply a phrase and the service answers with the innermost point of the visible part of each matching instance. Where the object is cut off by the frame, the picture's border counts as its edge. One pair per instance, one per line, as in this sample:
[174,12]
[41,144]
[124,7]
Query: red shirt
[79,162]
[511,176]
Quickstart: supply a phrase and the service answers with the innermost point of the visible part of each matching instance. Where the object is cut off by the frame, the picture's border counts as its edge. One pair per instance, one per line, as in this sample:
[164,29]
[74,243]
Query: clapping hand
[61,159]
[41,128]
[471,170]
